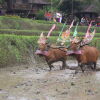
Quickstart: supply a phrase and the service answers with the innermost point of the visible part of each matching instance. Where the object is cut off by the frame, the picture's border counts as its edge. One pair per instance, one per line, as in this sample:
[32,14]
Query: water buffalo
[85,55]
[53,55]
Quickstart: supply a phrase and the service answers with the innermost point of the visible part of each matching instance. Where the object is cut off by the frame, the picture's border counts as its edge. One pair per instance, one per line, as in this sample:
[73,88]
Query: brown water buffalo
[85,55]
[53,54]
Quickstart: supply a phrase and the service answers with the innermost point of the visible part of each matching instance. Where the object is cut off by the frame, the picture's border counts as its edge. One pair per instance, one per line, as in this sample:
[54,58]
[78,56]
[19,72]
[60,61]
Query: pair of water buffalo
[84,54]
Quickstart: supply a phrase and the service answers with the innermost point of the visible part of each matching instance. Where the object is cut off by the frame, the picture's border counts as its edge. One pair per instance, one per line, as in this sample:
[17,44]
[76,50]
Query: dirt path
[37,83]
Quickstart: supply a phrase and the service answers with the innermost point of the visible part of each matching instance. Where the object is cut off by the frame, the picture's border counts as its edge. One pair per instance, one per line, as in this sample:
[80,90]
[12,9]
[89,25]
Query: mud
[35,82]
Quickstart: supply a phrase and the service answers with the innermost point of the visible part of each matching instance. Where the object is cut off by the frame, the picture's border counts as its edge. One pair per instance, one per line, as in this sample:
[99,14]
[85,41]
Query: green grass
[36,32]
[7,22]
[15,49]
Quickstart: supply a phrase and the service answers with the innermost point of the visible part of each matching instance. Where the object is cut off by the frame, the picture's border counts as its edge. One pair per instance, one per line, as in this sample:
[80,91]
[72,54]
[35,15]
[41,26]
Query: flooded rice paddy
[35,82]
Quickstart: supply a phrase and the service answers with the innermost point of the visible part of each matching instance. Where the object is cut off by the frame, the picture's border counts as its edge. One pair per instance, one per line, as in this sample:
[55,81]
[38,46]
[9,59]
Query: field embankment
[23,26]
[16,49]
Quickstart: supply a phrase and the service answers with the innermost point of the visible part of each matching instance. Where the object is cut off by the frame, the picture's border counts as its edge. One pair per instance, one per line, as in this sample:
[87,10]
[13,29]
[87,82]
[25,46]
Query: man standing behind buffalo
[48,16]
[58,17]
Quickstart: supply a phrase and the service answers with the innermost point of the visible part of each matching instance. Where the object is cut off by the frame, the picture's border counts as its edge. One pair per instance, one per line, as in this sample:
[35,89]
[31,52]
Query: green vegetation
[16,24]
[2,1]
[19,36]
[15,49]
[78,5]
[36,32]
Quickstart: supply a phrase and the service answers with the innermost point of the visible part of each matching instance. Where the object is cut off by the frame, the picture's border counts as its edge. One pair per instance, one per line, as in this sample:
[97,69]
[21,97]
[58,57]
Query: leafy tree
[2,1]
[97,5]
[40,14]
[55,4]
[68,5]
[78,5]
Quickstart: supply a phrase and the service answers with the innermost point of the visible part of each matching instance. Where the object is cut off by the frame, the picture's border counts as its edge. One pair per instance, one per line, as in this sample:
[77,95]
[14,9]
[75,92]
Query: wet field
[35,82]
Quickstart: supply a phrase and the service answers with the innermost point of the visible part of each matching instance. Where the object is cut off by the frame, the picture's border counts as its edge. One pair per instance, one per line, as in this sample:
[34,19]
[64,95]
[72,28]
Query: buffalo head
[42,45]
[75,44]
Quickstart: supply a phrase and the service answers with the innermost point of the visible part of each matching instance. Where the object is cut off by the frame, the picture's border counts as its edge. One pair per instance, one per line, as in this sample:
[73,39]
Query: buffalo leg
[94,65]
[82,65]
[50,66]
[63,65]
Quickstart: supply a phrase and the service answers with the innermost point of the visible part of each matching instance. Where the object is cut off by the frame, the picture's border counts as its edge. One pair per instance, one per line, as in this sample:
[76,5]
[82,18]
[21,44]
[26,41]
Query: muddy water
[26,82]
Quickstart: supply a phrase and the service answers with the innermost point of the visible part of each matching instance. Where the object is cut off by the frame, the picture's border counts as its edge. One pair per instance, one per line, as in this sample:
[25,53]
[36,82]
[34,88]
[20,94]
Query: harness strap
[74,52]
[45,53]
